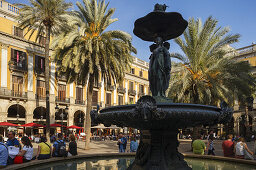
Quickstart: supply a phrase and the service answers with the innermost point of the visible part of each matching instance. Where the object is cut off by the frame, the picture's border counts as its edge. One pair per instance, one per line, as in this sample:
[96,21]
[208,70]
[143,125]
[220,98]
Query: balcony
[40,97]
[61,99]
[81,102]
[121,90]
[132,92]
[97,85]
[11,94]
[110,88]
[15,66]
[39,71]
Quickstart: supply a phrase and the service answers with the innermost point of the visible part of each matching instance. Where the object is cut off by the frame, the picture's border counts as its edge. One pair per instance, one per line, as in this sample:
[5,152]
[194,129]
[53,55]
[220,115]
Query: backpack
[61,150]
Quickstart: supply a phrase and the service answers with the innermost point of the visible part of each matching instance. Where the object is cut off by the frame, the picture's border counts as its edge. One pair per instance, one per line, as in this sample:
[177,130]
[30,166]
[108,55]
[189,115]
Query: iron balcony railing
[13,94]
[132,92]
[81,102]
[121,90]
[40,97]
[61,99]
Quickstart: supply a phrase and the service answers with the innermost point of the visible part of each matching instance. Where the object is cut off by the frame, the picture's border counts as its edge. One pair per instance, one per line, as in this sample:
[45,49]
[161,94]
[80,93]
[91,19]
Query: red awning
[32,125]
[57,125]
[7,124]
[74,127]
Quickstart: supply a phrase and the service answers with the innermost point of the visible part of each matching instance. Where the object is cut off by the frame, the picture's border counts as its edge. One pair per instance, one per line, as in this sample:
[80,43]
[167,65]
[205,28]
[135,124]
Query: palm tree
[87,51]
[208,73]
[45,18]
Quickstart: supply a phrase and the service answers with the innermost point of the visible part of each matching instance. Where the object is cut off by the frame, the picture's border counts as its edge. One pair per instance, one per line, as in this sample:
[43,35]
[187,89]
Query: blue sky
[239,15]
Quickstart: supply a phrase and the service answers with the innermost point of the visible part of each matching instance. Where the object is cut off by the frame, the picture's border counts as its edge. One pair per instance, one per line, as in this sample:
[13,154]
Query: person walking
[59,147]
[3,153]
[44,149]
[27,150]
[228,147]
[133,144]
[198,146]
[241,149]
[72,147]
[122,142]
[210,147]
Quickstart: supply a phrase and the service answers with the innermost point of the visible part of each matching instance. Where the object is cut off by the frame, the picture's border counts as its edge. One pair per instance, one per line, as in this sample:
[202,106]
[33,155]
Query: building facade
[22,81]
[245,117]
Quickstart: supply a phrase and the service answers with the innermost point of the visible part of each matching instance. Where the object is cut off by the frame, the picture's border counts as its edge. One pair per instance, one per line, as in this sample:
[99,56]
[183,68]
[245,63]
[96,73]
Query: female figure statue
[159,67]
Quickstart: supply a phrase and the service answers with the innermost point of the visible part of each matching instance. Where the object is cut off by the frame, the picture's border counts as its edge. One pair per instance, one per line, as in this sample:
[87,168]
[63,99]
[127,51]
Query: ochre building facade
[22,82]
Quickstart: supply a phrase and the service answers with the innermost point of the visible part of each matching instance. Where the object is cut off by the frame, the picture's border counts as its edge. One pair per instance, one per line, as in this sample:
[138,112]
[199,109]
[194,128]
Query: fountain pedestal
[158,150]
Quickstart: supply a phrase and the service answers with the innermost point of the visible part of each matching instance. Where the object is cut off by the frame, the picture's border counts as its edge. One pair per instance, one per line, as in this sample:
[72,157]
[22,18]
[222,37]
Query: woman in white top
[27,150]
[241,147]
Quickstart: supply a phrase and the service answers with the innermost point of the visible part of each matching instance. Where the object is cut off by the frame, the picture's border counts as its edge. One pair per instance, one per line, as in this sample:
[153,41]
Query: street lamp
[62,115]
[18,116]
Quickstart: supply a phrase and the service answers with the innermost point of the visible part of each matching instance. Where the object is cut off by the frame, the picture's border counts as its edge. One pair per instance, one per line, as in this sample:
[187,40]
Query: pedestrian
[13,147]
[122,142]
[228,147]
[198,146]
[133,144]
[210,147]
[241,149]
[72,147]
[44,149]
[3,153]
[27,150]
[59,147]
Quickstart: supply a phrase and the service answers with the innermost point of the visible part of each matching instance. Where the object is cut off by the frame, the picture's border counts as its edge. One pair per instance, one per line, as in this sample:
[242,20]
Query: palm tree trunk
[88,110]
[47,75]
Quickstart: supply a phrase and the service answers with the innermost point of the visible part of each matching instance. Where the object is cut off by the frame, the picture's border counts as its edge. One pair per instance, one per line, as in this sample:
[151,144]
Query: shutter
[12,54]
[36,63]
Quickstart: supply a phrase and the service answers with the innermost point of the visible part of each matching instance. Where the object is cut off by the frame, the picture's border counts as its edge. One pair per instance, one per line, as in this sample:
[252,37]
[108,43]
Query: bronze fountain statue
[156,116]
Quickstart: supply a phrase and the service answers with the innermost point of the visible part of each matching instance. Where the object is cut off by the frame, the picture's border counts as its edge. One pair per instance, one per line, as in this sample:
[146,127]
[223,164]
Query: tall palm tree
[87,51]
[208,72]
[45,18]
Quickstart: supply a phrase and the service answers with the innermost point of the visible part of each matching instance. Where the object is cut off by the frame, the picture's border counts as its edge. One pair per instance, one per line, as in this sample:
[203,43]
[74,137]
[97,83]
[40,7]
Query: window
[62,92]
[79,94]
[141,73]
[39,64]
[131,100]
[94,98]
[131,86]
[17,86]
[120,100]
[18,60]
[18,32]
[108,99]
[41,92]
[132,71]
[141,89]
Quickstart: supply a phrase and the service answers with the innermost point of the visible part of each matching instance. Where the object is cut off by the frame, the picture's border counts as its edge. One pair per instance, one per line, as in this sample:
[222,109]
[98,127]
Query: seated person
[12,142]
[27,150]
[198,146]
[3,153]
[44,149]
[59,147]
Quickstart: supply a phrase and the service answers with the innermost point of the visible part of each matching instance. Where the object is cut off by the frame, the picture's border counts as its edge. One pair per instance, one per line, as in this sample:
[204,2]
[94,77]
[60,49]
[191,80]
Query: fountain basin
[119,161]
[148,114]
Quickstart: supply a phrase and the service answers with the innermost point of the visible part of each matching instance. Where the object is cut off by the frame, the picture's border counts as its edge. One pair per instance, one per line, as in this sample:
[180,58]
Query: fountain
[156,116]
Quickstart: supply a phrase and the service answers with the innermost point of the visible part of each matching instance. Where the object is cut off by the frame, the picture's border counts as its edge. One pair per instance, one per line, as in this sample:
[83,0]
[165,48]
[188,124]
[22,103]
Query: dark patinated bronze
[157,118]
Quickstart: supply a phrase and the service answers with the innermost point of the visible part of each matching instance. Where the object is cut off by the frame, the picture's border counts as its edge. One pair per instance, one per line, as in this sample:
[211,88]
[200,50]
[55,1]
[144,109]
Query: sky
[239,15]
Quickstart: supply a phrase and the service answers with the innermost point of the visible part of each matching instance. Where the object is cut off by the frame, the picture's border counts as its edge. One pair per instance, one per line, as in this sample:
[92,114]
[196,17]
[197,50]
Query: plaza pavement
[108,146]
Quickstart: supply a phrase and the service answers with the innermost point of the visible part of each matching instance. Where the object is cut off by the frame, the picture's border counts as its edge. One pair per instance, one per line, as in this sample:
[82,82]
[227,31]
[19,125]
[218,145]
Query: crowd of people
[14,152]
[231,147]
